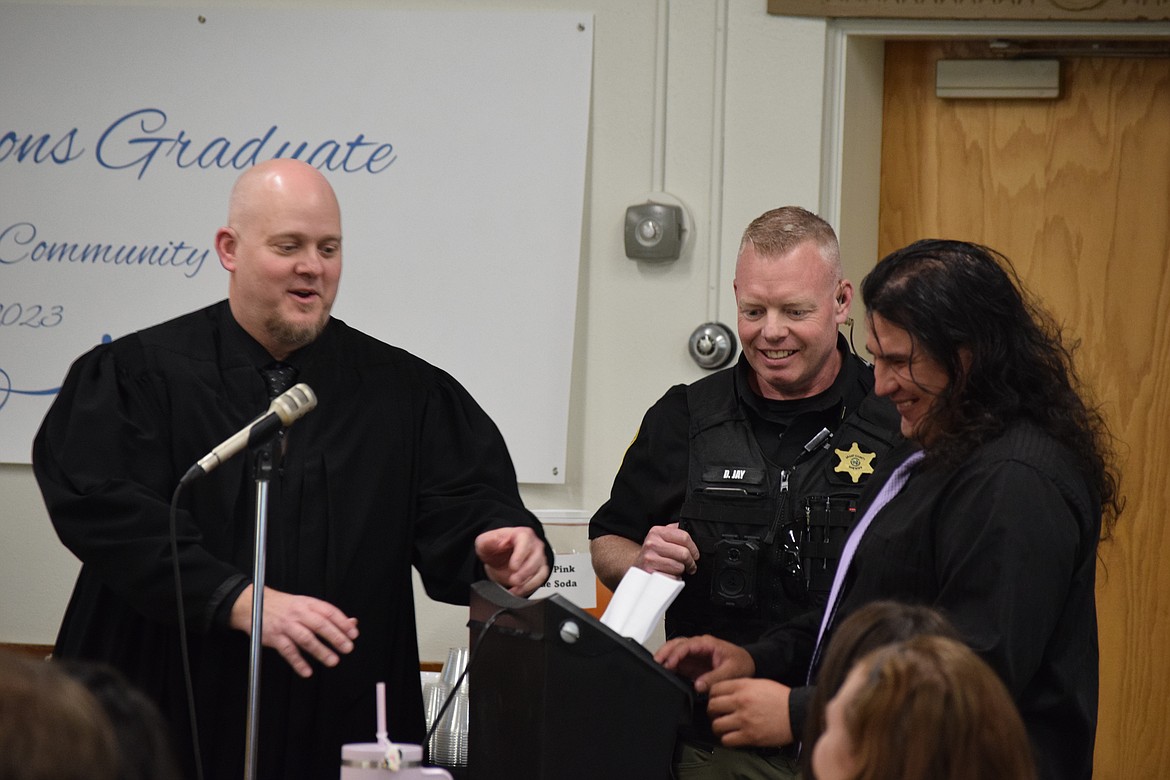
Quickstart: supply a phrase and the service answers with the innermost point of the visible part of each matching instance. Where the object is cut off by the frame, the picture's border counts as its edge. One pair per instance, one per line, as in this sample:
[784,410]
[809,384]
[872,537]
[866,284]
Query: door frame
[852,124]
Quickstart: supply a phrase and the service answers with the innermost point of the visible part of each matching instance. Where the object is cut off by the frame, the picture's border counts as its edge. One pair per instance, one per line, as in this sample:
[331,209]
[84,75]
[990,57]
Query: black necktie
[279,377]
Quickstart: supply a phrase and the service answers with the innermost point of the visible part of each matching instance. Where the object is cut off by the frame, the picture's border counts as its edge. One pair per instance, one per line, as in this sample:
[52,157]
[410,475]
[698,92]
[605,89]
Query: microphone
[286,408]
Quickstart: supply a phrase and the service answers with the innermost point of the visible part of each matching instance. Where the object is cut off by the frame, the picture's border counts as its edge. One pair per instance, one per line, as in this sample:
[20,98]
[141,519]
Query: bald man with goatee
[396,466]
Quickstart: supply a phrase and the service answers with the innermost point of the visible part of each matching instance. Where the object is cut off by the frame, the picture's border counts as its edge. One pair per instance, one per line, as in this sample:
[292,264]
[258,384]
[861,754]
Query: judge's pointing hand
[513,558]
[296,624]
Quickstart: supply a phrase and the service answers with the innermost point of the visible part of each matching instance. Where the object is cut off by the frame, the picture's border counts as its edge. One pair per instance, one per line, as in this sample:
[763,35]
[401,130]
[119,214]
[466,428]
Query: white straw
[381,698]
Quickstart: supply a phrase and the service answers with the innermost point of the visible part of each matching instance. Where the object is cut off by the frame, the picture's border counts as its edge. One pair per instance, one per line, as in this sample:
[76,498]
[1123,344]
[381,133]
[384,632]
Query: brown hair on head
[929,707]
[877,624]
[779,231]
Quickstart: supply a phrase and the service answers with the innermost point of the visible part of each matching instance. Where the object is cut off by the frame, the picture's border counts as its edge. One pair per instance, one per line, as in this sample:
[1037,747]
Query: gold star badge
[854,462]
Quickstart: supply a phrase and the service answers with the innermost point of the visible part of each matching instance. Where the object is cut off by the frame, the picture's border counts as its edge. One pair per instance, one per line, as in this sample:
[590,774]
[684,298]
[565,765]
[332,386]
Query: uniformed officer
[745,483]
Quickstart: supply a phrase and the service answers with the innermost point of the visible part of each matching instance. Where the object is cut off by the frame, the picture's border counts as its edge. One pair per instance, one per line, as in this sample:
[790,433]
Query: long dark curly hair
[961,301]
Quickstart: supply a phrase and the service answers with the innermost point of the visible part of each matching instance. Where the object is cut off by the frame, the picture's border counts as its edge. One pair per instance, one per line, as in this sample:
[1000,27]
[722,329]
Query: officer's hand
[292,624]
[705,660]
[669,550]
[749,712]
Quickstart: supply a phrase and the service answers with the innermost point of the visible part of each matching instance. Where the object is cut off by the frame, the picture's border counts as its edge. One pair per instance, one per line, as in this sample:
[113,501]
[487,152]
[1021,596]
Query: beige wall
[740,132]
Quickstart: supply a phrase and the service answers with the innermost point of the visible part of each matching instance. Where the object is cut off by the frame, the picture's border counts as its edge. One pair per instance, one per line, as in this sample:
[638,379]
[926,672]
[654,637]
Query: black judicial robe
[396,466]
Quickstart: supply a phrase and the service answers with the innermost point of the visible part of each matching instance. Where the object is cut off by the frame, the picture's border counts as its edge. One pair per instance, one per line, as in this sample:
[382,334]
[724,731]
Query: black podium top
[557,694]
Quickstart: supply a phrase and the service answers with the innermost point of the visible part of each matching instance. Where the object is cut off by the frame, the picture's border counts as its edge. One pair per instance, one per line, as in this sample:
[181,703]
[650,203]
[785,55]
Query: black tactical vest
[769,535]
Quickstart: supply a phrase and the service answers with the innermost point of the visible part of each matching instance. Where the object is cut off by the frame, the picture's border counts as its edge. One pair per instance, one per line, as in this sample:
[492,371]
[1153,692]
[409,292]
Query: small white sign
[572,576]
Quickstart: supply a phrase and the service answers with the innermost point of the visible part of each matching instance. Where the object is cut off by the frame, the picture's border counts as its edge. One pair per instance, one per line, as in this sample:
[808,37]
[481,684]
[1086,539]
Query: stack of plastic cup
[434,694]
[448,745]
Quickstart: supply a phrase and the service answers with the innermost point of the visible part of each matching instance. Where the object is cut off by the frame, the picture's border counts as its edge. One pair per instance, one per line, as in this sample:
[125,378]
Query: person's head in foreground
[877,624]
[927,708]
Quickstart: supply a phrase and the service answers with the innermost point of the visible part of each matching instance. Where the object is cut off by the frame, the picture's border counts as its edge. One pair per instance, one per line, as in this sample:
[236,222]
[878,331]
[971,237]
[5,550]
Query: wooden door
[1076,191]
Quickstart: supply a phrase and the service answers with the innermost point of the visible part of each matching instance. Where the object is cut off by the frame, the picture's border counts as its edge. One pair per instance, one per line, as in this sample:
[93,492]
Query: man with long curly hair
[1009,483]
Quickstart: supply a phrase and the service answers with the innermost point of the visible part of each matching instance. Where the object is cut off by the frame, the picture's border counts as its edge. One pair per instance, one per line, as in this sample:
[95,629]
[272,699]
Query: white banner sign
[456,142]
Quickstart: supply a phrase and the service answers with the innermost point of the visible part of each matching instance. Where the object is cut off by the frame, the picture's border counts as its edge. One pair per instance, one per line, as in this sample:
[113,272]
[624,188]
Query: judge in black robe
[397,466]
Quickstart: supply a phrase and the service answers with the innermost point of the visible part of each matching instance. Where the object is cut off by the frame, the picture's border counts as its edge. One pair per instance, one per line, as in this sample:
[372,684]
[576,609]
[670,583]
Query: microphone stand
[264,456]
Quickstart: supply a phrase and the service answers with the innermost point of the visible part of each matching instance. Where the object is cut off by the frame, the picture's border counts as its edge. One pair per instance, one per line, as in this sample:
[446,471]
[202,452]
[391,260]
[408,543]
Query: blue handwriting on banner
[7,391]
[33,315]
[16,240]
[39,150]
[136,139]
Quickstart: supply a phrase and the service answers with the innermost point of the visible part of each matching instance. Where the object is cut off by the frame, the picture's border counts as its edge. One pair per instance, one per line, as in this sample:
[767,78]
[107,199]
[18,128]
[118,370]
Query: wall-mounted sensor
[655,231]
[712,345]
